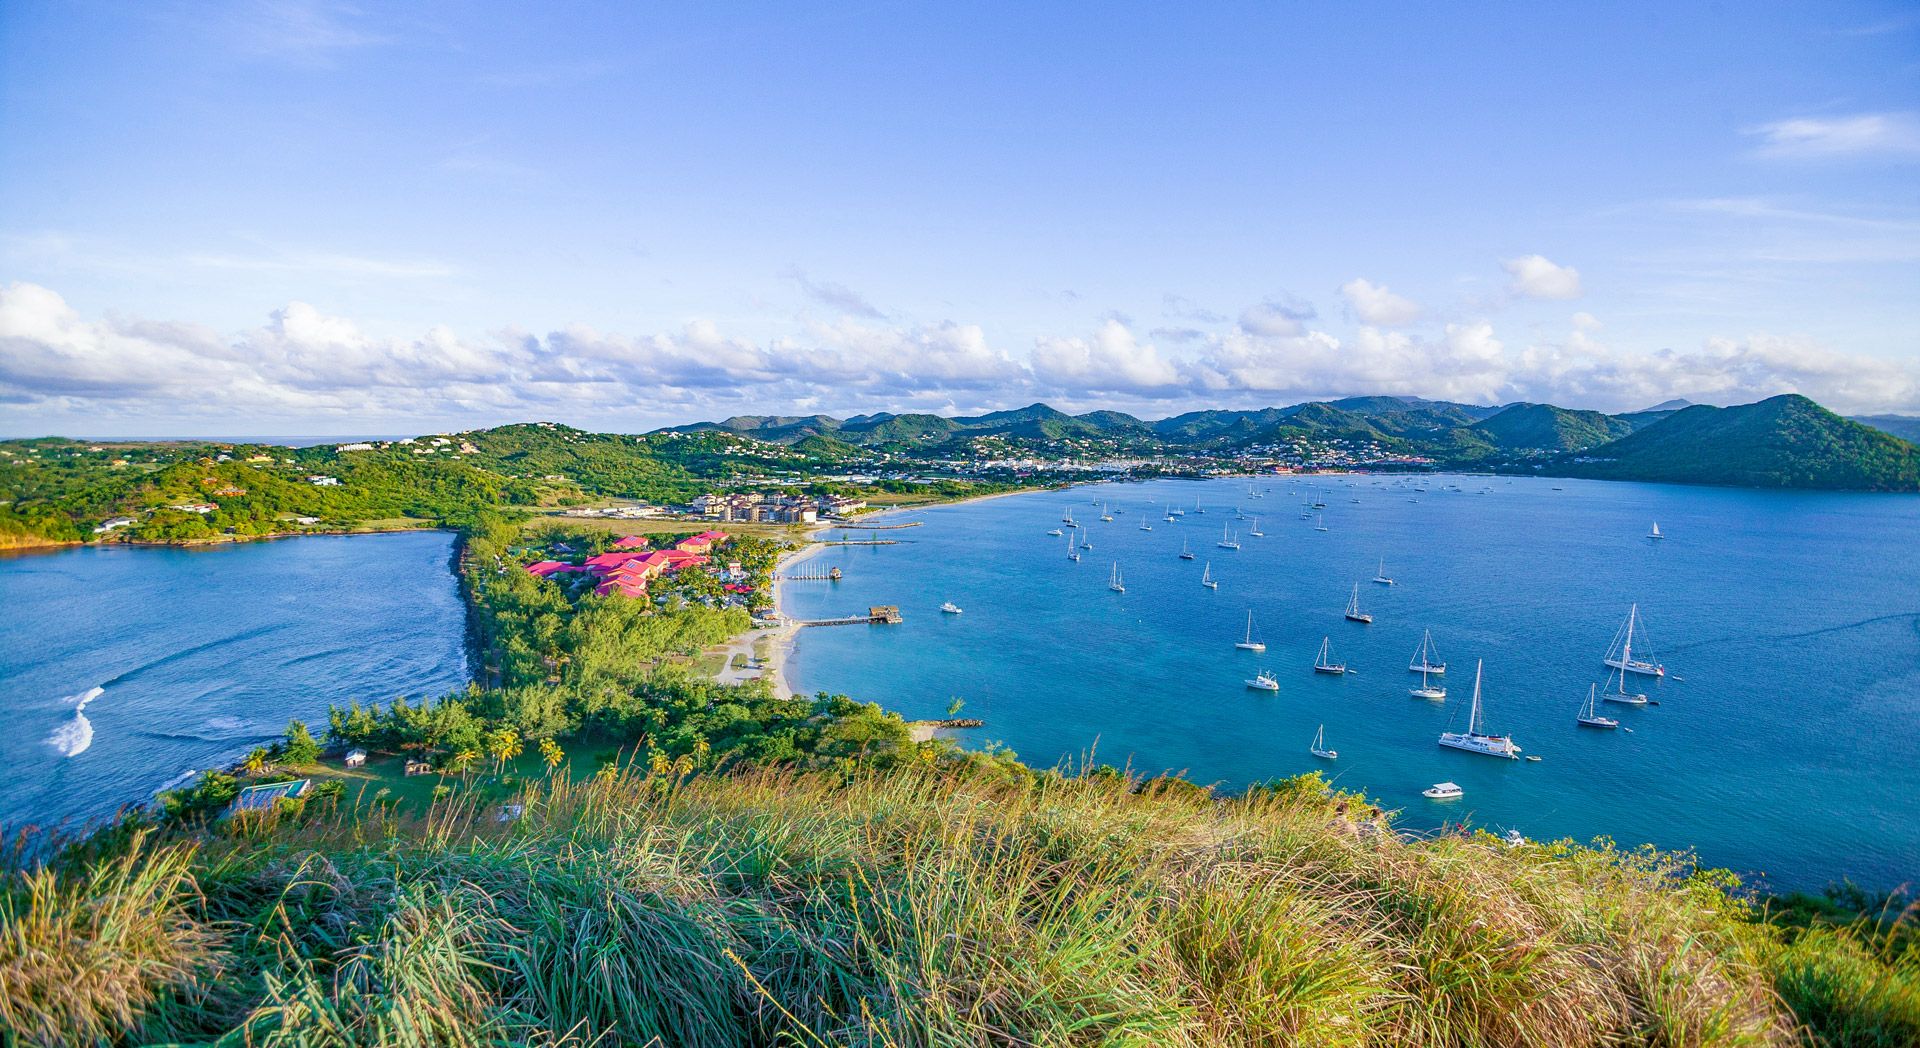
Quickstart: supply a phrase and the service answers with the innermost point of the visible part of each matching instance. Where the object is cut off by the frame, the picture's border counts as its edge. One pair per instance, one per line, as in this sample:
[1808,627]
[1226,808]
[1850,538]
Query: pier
[815,575]
[878,615]
[880,527]
[863,542]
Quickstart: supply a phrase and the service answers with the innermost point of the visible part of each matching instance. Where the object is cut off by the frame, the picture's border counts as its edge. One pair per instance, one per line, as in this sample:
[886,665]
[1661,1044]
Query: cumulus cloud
[1860,135]
[1534,276]
[1373,304]
[63,370]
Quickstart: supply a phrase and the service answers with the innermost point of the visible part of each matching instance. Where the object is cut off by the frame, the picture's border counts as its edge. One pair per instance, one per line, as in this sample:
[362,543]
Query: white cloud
[1536,277]
[1276,318]
[1586,321]
[305,368]
[1374,304]
[1864,134]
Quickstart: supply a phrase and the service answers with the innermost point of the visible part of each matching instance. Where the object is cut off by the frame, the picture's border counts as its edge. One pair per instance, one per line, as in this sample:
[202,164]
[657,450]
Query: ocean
[129,669]
[1781,743]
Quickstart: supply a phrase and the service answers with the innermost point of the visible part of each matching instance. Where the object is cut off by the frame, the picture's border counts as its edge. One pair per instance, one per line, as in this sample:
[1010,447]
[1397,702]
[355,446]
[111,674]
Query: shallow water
[1784,741]
[128,669]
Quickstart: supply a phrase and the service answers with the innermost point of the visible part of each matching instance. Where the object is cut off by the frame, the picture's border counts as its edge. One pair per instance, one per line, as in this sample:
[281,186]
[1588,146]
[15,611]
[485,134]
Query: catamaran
[1473,740]
[1323,662]
[1250,644]
[1319,747]
[1423,661]
[1113,581]
[1655,533]
[1207,579]
[1264,681]
[1185,553]
[1589,717]
[1227,541]
[1255,530]
[1620,694]
[1354,614]
[1620,653]
[1380,576]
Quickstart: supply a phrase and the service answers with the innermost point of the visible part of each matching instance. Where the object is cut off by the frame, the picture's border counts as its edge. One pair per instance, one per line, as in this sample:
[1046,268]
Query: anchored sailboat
[1255,530]
[1113,581]
[1073,552]
[1185,553]
[1620,654]
[1250,644]
[1321,524]
[1381,575]
[1227,541]
[1589,717]
[1655,533]
[1426,660]
[1319,747]
[1354,614]
[1207,579]
[1620,694]
[1427,690]
[1473,740]
[1323,662]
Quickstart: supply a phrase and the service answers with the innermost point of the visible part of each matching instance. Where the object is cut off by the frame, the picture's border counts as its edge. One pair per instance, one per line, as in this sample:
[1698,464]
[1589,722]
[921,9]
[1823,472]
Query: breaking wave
[72,738]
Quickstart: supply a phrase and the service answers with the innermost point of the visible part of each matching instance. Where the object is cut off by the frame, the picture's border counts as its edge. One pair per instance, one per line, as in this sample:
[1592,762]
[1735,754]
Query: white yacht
[1227,541]
[1113,581]
[1255,530]
[1264,681]
[1473,740]
[1249,644]
[1185,553]
[1319,747]
[1354,614]
[950,608]
[1056,533]
[1620,653]
[1589,717]
[1427,690]
[1443,791]
[1207,579]
[1424,660]
[1323,662]
[1381,576]
[1617,691]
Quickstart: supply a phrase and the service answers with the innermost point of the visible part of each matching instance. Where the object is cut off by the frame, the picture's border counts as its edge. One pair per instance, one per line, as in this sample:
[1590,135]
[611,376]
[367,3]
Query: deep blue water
[126,669]
[1788,746]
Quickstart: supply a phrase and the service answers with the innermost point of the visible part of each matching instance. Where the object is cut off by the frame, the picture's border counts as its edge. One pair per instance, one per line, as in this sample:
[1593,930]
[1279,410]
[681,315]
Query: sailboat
[1196,506]
[1473,740]
[1207,579]
[1655,533]
[1255,531]
[1321,524]
[1323,662]
[1069,521]
[1227,541]
[1056,533]
[1072,552]
[1113,581]
[1423,660]
[1319,747]
[1086,542]
[1144,526]
[1354,614]
[1589,717]
[1250,644]
[1264,681]
[1106,513]
[1380,576]
[1427,690]
[1621,695]
[1185,553]
[1620,654]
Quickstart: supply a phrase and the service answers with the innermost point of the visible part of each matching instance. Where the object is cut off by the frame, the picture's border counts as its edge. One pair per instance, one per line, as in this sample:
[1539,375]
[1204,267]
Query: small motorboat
[1443,791]
[950,608]
[1264,681]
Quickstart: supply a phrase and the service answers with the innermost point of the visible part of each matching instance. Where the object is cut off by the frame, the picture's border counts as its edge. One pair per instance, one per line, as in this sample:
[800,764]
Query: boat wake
[72,738]
[1842,628]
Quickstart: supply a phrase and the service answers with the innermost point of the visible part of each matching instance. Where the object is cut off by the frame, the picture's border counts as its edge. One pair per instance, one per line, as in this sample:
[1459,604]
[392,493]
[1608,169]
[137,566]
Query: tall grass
[905,908]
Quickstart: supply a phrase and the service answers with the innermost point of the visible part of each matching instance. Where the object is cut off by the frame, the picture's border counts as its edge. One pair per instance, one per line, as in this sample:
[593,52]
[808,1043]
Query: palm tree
[256,761]
[551,753]
[463,760]
[503,746]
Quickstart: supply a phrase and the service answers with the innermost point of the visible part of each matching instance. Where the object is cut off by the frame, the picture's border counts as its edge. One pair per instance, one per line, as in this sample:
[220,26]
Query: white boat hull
[1431,694]
[1486,745]
[1645,669]
[1435,670]
[1626,700]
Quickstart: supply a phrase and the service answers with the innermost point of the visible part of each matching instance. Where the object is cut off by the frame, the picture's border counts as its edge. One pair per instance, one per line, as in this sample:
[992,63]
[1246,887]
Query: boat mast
[1473,716]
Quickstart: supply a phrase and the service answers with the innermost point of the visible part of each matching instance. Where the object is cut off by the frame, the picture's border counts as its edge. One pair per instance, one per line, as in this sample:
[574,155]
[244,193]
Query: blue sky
[314,217]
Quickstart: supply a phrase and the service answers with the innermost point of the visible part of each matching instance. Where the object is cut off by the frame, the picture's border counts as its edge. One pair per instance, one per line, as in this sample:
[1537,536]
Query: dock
[813,575]
[878,615]
[863,542]
[880,527]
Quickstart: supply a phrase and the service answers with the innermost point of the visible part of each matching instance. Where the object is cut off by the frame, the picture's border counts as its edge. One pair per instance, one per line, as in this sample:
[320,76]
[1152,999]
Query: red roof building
[606,562]
[701,543]
[623,587]
[633,542]
[549,568]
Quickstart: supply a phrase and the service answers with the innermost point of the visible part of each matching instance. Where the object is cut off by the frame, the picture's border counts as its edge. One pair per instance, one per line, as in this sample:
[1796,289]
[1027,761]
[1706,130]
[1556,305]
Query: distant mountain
[1782,442]
[1668,406]
[1545,427]
[1906,427]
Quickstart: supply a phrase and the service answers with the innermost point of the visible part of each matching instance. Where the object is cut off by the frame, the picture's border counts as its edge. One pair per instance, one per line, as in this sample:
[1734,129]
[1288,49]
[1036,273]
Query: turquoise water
[128,669]
[1787,746]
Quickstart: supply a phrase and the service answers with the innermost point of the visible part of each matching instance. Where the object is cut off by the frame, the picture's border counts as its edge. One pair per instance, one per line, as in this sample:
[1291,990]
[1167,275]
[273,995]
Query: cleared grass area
[549,519]
[910,908]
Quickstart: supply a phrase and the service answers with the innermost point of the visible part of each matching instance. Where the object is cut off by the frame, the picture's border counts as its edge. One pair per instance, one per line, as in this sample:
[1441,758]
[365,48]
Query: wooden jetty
[878,615]
[811,575]
[863,542]
[880,527]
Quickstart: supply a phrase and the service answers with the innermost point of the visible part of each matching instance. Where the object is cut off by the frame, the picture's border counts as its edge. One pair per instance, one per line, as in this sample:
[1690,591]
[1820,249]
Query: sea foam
[72,738]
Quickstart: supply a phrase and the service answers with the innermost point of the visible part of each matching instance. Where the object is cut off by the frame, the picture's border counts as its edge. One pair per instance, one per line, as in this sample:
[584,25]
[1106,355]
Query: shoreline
[219,540]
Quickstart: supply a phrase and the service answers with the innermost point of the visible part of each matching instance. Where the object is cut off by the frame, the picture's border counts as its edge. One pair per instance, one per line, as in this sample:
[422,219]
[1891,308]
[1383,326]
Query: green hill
[1784,441]
[1906,427]
[1545,427]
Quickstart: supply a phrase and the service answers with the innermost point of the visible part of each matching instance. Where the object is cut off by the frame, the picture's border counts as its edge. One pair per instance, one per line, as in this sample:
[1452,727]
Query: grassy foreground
[910,907]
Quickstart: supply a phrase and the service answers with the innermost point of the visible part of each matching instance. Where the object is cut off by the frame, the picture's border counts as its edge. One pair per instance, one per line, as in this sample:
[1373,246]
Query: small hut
[356,758]
[416,766]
